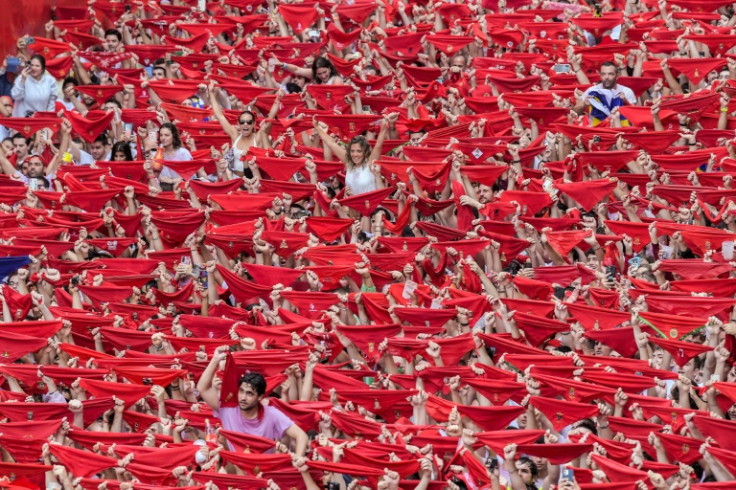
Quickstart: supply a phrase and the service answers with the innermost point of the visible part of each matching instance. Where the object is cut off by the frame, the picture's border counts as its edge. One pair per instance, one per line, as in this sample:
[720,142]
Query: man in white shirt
[603,97]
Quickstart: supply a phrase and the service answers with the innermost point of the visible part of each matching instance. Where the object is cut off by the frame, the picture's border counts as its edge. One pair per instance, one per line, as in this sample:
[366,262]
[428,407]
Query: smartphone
[568,474]
[169,62]
[33,184]
[186,260]
[611,272]
[492,464]
[30,40]
[332,485]
[597,12]
[562,68]
[13,64]
[559,293]
[128,8]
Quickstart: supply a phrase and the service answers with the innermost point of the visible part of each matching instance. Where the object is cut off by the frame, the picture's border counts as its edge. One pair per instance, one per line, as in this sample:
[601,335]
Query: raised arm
[219,114]
[336,149]
[265,129]
[204,386]
[388,120]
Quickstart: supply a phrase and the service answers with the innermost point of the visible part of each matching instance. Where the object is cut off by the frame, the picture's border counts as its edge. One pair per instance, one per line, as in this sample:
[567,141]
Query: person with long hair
[121,152]
[245,135]
[361,173]
[170,141]
[35,89]
[322,72]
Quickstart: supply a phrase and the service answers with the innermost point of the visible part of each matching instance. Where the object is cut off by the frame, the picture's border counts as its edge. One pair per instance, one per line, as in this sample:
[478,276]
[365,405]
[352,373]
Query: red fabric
[672,326]
[497,440]
[721,430]
[328,229]
[564,241]
[28,126]
[247,443]
[588,193]
[15,345]
[449,44]
[555,453]
[619,339]
[366,202]
[537,330]
[91,126]
[617,472]
[129,393]
[497,392]
[695,69]
[594,318]
[563,413]
[81,463]
[298,17]
[101,93]
[330,97]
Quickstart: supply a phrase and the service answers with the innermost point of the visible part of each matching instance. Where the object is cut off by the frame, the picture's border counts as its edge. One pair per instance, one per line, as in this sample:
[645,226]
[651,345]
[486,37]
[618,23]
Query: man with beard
[603,98]
[250,416]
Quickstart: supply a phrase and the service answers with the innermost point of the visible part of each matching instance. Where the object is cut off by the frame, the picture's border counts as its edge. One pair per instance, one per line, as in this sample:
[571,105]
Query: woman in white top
[35,89]
[169,138]
[244,136]
[361,174]
[323,72]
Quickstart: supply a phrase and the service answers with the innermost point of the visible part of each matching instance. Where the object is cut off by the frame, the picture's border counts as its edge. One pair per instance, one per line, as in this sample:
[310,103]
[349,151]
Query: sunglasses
[250,121]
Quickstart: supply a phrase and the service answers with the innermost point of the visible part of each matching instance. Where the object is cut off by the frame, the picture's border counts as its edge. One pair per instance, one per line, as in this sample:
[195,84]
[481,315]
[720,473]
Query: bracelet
[691,144]
[464,324]
[595,249]
[604,426]
[515,161]
[155,237]
[724,109]
[174,388]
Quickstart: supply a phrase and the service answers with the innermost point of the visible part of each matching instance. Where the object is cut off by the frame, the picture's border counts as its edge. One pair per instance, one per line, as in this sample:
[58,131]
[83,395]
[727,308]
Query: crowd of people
[370,244]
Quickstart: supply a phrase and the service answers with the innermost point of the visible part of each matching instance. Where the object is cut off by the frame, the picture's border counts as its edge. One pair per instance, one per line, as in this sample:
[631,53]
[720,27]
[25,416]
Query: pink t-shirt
[272,425]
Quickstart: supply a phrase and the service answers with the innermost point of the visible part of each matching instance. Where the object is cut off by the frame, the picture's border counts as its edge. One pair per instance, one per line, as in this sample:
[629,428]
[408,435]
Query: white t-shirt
[619,91]
[360,179]
[180,155]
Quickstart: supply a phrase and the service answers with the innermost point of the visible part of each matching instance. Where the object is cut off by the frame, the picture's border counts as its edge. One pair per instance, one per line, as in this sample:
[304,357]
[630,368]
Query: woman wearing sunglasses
[243,135]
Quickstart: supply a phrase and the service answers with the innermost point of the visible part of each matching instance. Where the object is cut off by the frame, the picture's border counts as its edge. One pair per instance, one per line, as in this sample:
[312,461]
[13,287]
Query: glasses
[250,121]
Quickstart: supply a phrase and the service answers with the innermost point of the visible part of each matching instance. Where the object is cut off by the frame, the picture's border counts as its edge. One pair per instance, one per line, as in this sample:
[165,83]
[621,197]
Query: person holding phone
[35,89]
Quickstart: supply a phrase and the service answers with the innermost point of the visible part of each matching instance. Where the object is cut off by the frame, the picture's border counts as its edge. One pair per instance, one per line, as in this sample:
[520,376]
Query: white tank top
[238,164]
